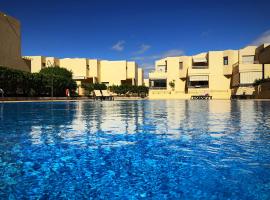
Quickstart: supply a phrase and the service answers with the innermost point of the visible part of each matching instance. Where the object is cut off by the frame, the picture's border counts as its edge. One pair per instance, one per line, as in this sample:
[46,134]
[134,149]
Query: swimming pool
[135,150]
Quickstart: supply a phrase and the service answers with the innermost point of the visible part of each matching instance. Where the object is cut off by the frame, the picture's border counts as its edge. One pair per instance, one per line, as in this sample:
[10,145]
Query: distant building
[93,70]
[10,44]
[219,74]
[146,82]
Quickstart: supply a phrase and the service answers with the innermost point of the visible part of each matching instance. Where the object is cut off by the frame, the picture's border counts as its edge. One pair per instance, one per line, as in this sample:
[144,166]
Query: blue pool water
[135,150]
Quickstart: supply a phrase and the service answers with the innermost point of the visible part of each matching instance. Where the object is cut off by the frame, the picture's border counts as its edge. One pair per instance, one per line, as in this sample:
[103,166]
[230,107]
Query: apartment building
[10,44]
[93,70]
[219,74]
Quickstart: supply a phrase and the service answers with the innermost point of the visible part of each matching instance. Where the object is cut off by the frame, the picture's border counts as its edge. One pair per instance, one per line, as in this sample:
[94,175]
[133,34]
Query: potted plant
[172,84]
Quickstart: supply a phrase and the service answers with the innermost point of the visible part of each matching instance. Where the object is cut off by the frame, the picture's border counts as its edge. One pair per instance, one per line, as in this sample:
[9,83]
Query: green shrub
[260,81]
[19,83]
[129,90]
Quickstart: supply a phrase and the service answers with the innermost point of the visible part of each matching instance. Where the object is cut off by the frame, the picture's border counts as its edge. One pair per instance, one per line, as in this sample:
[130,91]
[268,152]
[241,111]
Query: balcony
[200,67]
[248,67]
[199,71]
[157,75]
[227,70]
[183,73]
[158,88]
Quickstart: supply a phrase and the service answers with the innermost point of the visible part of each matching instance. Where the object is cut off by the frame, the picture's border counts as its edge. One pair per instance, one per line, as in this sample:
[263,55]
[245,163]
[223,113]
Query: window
[180,65]
[199,63]
[198,82]
[158,83]
[249,59]
[43,64]
[106,83]
[225,60]
[87,67]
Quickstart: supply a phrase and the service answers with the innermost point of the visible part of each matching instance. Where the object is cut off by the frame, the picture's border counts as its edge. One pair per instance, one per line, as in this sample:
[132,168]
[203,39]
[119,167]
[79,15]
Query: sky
[139,30]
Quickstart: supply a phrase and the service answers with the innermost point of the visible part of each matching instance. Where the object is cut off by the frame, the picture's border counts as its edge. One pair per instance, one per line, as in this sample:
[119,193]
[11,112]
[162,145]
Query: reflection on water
[135,149]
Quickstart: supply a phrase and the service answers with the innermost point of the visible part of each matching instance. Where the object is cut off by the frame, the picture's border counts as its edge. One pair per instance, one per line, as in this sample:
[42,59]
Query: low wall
[166,94]
[41,98]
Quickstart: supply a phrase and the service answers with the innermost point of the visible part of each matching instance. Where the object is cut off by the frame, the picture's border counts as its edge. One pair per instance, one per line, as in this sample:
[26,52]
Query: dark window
[162,83]
[105,83]
[225,60]
[43,64]
[87,67]
[199,84]
[181,65]
[199,65]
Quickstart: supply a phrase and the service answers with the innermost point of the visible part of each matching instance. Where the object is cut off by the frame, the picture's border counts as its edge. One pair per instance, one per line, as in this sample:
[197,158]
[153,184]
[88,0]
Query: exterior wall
[132,72]
[93,69]
[77,65]
[52,61]
[234,78]
[112,72]
[140,76]
[99,71]
[267,70]
[37,63]
[218,83]
[10,44]
[79,68]
[40,62]
[146,82]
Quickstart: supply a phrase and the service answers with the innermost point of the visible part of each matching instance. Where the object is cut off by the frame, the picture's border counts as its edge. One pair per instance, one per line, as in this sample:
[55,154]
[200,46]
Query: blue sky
[141,30]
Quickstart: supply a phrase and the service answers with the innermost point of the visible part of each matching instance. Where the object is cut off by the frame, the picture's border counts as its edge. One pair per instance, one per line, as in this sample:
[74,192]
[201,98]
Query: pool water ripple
[135,150]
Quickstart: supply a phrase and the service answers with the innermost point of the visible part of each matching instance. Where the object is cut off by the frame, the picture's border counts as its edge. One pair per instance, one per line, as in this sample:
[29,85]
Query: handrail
[158,88]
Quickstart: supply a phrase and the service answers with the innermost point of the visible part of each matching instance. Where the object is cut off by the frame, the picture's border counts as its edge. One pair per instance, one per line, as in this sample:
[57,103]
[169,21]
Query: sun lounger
[98,94]
[106,95]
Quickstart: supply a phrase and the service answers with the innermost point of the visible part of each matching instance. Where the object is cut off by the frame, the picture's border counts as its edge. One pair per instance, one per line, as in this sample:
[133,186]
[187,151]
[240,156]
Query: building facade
[93,70]
[220,74]
[10,44]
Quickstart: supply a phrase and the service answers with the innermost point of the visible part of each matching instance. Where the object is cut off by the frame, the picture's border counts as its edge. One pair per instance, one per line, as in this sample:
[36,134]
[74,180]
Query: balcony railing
[158,88]
[198,86]
[199,67]
[254,62]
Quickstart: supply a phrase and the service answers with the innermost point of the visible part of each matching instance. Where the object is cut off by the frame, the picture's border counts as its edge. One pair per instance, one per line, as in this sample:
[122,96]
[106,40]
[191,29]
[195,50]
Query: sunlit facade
[93,70]
[220,74]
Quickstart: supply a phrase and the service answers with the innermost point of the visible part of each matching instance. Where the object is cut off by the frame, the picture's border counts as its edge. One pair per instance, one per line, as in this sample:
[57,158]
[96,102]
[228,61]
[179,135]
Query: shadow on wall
[262,91]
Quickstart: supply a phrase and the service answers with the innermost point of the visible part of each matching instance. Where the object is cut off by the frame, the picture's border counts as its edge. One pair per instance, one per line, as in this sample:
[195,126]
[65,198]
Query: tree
[19,83]
[90,87]
[57,80]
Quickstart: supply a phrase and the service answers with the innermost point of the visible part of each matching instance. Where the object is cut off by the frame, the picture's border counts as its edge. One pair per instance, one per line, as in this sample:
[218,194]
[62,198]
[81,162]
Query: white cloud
[119,46]
[173,52]
[143,48]
[263,38]
[148,62]
[169,53]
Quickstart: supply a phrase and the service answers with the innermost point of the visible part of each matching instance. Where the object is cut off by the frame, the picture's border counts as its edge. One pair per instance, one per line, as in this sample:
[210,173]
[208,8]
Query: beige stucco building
[10,44]
[93,70]
[220,74]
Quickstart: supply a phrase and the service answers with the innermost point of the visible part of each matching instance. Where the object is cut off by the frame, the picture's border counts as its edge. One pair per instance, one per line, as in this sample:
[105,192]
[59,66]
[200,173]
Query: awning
[199,60]
[198,78]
